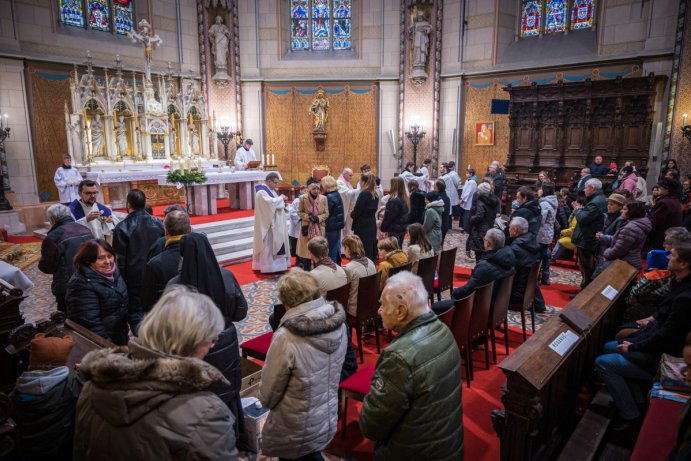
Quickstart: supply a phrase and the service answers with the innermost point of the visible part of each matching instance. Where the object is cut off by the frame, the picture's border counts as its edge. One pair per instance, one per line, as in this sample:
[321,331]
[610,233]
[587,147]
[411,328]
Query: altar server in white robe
[67,181]
[348,196]
[244,155]
[88,212]
[271,246]
[424,181]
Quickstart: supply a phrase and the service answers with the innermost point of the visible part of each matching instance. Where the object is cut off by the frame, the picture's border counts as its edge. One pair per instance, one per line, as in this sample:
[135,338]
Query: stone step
[221,226]
[232,234]
[233,245]
[234,257]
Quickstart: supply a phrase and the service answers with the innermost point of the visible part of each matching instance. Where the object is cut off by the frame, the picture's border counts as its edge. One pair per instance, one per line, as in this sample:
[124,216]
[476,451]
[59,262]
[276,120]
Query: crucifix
[149,40]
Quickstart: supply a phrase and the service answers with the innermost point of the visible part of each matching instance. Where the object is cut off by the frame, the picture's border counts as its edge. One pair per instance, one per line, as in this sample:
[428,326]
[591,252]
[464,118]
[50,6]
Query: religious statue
[319,110]
[194,139]
[419,36]
[219,36]
[121,136]
[173,141]
[97,139]
[149,40]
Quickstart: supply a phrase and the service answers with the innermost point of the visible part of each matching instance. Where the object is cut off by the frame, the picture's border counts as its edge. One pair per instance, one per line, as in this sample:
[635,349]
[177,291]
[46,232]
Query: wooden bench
[541,383]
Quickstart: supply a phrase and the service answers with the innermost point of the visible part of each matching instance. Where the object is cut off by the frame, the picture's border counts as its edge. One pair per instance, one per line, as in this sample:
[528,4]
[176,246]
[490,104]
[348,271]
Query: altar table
[240,187]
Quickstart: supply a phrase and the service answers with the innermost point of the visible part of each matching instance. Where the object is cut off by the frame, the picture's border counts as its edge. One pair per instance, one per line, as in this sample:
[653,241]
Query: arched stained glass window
[122,12]
[582,14]
[99,15]
[531,17]
[71,12]
[320,25]
[555,16]
[114,16]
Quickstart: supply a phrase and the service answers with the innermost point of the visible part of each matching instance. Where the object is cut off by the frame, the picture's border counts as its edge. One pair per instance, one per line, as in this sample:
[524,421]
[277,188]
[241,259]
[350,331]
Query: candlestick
[683,119]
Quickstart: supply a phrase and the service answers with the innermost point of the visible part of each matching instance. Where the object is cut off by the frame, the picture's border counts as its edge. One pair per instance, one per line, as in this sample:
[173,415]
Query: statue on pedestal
[419,36]
[219,36]
[319,110]
[97,139]
[121,136]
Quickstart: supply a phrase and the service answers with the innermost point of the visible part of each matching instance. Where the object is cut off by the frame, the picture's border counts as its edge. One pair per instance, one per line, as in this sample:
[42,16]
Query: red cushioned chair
[478,321]
[447,317]
[460,326]
[258,347]
[447,261]
[367,310]
[426,267]
[527,303]
[498,312]
[355,387]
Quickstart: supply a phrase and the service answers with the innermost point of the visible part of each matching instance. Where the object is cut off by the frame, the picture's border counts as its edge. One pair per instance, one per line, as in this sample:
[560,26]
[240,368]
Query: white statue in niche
[121,135]
[97,139]
[219,36]
[419,36]
[194,137]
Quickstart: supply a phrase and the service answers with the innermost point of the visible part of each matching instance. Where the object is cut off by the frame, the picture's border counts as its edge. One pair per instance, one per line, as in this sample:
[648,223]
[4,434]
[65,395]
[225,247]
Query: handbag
[673,374]
[304,230]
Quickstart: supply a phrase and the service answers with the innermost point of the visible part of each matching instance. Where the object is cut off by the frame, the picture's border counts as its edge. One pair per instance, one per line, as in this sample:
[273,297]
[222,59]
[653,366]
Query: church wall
[680,147]
[20,163]
[450,119]
[388,130]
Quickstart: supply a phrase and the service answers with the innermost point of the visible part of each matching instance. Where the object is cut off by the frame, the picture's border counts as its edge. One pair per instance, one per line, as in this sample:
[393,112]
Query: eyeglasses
[89,193]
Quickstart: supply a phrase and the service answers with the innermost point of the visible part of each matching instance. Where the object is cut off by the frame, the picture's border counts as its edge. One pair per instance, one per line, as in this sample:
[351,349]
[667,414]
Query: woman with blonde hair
[151,399]
[358,266]
[391,257]
[396,217]
[419,246]
[336,221]
[301,375]
[313,210]
[363,214]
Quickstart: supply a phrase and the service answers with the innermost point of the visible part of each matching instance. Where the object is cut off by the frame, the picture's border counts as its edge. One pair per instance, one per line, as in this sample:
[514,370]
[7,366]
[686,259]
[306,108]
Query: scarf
[326,261]
[68,167]
[110,275]
[314,229]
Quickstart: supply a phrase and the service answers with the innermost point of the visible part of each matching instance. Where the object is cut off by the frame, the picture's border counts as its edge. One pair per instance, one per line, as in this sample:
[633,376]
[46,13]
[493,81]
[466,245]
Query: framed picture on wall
[484,133]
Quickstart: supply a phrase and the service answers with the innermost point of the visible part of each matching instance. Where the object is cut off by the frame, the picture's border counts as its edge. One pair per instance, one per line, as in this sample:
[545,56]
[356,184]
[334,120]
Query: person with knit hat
[45,400]
[486,209]
[666,213]
[613,220]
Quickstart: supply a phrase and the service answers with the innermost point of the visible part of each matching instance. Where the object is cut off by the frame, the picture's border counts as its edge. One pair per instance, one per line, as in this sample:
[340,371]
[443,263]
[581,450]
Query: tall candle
[683,119]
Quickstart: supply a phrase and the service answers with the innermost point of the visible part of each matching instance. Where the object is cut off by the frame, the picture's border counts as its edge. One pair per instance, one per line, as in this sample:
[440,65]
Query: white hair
[520,223]
[57,212]
[180,321]
[408,289]
[594,183]
[496,238]
[347,171]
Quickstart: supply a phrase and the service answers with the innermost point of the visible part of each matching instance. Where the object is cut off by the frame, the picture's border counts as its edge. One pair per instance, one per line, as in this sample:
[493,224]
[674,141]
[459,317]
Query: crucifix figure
[149,40]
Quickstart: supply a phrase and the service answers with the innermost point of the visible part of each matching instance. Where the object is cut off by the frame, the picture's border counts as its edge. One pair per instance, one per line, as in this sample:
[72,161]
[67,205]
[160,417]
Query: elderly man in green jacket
[414,408]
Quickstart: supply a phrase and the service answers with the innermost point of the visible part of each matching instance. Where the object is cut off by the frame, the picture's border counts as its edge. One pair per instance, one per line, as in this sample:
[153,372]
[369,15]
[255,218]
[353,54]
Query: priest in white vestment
[348,195]
[67,181]
[244,155]
[271,246]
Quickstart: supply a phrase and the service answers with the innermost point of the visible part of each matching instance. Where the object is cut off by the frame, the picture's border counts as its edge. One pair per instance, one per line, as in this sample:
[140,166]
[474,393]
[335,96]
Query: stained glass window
[582,14]
[341,25]
[114,16]
[320,25]
[555,16]
[71,12]
[99,15]
[122,12]
[531,17]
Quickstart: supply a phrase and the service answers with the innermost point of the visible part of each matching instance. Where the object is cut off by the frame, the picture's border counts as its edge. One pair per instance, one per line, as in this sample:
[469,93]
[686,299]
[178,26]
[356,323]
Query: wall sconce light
[685,129]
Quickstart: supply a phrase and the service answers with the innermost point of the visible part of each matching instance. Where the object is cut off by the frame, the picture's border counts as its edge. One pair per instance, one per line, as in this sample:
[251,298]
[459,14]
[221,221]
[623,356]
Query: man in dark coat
[59,248]
[414,409]
[590,219]
[598,167]
[498,178]
[164,266]
[497,262]
[132,239]
[526,250]
[529,209]
[585,176]
[666,213]
[638,356]
[160,244]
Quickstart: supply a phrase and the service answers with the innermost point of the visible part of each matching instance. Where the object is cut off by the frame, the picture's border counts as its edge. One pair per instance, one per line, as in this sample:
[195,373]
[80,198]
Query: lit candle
[683,119]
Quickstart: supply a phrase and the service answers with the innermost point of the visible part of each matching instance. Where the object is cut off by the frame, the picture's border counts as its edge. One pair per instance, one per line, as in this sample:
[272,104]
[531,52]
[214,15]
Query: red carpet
[244,273]
[23,239]
[224,213]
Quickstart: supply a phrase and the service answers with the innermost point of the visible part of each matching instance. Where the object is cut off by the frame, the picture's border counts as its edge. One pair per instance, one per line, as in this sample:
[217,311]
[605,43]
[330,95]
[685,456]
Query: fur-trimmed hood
[318,322]
[134,380]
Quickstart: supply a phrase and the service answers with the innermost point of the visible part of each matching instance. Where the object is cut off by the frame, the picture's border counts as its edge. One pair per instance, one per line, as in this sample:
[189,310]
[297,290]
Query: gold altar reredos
[351,128]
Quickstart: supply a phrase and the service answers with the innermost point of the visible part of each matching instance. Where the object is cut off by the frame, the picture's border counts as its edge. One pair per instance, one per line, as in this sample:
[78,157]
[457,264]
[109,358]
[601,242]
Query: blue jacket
[336,219]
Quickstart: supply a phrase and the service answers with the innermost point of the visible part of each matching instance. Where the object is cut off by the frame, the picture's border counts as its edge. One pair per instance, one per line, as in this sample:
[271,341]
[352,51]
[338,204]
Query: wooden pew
[541,383]
[10,318]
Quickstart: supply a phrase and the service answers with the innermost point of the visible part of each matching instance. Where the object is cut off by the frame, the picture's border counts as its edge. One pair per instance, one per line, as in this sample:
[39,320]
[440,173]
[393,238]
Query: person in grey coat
[301,376]
[432,224]
[548,210]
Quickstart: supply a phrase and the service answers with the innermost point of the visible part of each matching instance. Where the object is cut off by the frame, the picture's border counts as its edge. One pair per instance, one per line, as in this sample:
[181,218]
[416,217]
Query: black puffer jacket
[158,272]
[486,209]
[532,212]
[417,207]
[132,239]
[589,221]
[395,216]
[98,304]
[527,252]
[336,219]
[494,265]
[58,250]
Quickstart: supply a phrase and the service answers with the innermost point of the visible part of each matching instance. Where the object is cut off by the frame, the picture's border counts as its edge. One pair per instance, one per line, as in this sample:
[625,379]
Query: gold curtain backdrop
[50,88]
[478,109]
[351,128]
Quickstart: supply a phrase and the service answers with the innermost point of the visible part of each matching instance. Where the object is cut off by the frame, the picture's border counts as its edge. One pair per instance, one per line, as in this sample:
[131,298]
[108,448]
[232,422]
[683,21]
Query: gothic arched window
[320,25]
[115,16]
[539,17]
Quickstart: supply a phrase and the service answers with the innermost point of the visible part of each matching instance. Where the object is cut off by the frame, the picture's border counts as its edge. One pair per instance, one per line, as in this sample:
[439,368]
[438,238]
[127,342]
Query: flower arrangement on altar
[186,177]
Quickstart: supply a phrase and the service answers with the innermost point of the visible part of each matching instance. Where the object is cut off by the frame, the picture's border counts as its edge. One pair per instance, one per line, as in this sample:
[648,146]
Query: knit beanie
[484,188]
[49,351]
